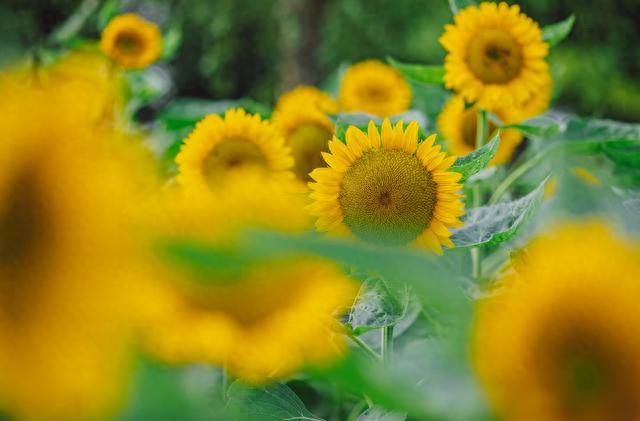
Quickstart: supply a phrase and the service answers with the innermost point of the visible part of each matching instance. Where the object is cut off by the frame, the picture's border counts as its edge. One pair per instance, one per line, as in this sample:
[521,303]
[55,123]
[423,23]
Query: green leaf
[539,127]
[207,262]
[186,112]
[171,41]
[149,85]
[457,5]
[554,33]
[475,161]
[275,402]
[376,413]
[420,73]
[625,154]
[108,10]
[590,129]
[332,83]
[377,306]
[494,224]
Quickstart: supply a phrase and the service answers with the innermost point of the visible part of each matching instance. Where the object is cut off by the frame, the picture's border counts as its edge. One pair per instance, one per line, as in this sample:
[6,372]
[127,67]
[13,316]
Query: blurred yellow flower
[307,132]
[562,342]
[386,188]
[458,127]
[586,176]
[219,146]
[131,41]
[263,321]
[495,55]
[65,252]
[374,87]
[310,97]
[537,104]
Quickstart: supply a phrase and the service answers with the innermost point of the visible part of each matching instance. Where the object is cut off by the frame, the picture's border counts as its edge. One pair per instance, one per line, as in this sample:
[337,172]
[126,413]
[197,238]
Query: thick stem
[366,348]
[386,343]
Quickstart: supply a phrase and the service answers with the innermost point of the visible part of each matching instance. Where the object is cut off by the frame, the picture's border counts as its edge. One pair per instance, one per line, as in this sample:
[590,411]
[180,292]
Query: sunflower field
[319,210]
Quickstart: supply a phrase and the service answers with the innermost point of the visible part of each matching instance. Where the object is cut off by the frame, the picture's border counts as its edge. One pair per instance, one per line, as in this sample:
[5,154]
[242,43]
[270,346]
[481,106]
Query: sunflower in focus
[495,55]
[131,41]
[307,132]
[309,96]
[219,146]
[65,254]
[267,318]
[386,188]
[458,125]
[374,87]
[562,342]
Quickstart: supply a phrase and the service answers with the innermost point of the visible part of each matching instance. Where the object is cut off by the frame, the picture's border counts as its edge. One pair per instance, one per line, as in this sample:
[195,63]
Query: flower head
[374,87]
[309,97]
[219,146]
[561,341]
[131,41]
[385,187]
[495,55]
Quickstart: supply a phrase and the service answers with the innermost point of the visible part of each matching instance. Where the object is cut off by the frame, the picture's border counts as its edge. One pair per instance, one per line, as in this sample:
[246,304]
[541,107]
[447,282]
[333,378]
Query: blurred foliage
[244,48]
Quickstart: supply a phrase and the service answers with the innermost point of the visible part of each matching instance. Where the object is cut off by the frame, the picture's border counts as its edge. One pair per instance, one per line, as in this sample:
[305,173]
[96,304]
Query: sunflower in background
[308,95]
[219,146]
[131,41]
[562,341]
[66,246]
[303,122]
[458,126]
[261,320]
[386,188]
[495,55]
[374,87]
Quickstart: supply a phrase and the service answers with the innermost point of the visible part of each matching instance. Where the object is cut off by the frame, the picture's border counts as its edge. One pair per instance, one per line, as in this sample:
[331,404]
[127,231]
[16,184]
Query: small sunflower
[218,146]
[307,132]
[131,41]
[495,55]
[264,322]
[374,87]
[386,188]
[562,341]
[309,97]
[458,126]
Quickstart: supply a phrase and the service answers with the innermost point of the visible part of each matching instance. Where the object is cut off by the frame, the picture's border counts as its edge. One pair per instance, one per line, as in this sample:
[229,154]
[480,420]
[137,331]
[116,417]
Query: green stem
[224,383]
[357,410]
[366,348]
[386,343]
[75,22]
[482,129]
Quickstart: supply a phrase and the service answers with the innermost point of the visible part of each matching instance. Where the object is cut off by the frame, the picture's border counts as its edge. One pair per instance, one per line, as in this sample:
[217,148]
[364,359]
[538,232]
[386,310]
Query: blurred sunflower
[374,87]
[307,132]
[308,96]
[131,41]
[219,146]
[458,126]
[264,320]
[537,104]
[64,258]
[495,55]
[562,341]
[386,188]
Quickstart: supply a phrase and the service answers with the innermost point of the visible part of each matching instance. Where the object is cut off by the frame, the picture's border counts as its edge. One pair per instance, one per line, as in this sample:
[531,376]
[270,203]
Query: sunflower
[264,321]
[374,87]
[64,259]
[495,55]
[131,41]
[218,146]
[386,188]
[309,97]
[458,126]
[307,132]
[537,104]
[562,341]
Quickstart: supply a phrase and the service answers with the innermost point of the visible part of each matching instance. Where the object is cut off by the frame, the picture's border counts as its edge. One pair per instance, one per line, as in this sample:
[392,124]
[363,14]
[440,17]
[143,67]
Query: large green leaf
[554,33]
[470,164]
[543,127]
[377,413]
[377,306]
[494,224]
[186,112]
[420,73]
[275,402]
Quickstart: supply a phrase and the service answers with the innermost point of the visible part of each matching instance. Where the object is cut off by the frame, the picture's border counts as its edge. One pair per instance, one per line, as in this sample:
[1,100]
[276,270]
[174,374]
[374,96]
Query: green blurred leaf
[624,154]
[555,33]
[171,41]
[539,127]
[377,306]
[332,83]
[494,224]
[186,112]
[420,73]
[377,413]
[457,5]
[109,9]
[275,402]
[207,262]
[475,161]
[590,129]
[148,85]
